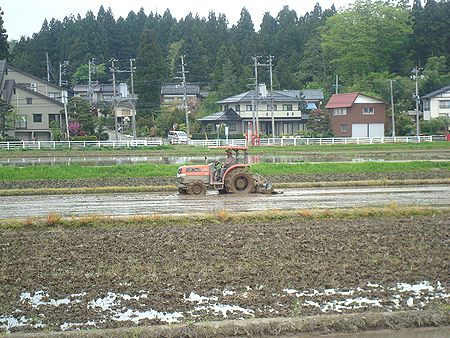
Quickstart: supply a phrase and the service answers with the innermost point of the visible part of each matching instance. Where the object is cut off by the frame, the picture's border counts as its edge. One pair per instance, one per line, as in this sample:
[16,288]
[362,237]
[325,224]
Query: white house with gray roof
[290,109]
[436,104]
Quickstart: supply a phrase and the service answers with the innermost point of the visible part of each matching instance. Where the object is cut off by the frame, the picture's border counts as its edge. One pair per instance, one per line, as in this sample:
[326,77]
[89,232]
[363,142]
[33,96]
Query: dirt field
[64,279]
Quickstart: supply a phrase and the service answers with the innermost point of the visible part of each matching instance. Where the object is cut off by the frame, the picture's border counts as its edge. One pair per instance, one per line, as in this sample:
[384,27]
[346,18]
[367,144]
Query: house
[172,95]
[356,115]
[436,103]
[37,103]
[230,118]
[288,116]
[101,92]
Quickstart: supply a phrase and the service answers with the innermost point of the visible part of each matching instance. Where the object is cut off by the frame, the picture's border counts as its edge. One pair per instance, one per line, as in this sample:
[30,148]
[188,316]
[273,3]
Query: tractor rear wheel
[197,188]
[240,183]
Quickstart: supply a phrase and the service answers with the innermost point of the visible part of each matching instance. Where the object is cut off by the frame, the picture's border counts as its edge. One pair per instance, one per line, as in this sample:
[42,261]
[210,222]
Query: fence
[293,141]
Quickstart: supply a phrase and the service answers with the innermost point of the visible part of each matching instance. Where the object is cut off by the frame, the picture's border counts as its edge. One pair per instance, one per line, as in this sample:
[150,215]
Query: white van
[177,137]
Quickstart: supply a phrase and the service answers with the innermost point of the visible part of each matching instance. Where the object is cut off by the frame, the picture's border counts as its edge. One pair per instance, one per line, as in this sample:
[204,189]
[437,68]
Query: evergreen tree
[6,114]
[244,36]
[80,111]
[150,72]
[4,47]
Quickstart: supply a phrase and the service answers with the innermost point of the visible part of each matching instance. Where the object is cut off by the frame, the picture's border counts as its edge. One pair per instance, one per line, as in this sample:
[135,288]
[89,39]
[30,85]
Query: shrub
[85,138]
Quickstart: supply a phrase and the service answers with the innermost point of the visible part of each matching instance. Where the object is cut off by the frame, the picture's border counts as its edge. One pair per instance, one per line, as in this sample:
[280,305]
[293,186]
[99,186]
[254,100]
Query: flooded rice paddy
[174,203]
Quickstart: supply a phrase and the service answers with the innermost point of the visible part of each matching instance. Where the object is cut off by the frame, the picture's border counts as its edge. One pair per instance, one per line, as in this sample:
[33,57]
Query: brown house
[356,115]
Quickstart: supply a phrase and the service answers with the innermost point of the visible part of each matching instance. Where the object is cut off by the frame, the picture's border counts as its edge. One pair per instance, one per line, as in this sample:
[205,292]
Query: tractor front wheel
[197,188]
[240,183]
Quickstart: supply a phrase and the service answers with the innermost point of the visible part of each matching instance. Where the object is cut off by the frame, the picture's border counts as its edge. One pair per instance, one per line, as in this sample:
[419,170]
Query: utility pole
[91,62]
[392,110]
[133,117]
[271,98]
[64,95]
[255,109]
[415,77]
[183,83]
[113,71]
[337,84]
[48,67]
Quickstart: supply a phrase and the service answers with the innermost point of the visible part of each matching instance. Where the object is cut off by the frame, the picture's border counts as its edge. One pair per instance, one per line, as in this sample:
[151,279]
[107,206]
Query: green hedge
[84,138]
[213,136]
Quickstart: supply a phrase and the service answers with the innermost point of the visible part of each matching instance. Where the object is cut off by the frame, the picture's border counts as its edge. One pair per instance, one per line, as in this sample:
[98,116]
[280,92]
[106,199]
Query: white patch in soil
[7,323]
[66,326]
[224,309]
[404,294]
[193,297]
[112,303]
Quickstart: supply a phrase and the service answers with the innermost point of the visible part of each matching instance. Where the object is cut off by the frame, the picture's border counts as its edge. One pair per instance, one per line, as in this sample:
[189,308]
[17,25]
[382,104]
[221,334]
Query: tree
[404,125]
[229,84]
[98,74]
[319,124]
[431,29]
[439,125]
[4,47]
[369,36]
[150,73]
[436,74]
[6,117]
[80,111]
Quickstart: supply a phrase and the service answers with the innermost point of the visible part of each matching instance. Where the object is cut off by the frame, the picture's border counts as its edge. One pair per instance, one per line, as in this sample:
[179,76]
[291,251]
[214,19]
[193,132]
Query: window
[426,105]
[54,95]
[21,122]
[287,107]
[29,100]
[237,107]
[232,126]
[269,107]
[339,111]
[368,110]
[445,104]
[53,118]
[248,107]
[37,118]
[344,127]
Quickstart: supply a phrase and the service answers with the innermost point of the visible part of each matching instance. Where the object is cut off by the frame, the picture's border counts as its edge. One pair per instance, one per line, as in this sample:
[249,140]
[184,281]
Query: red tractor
[234,178]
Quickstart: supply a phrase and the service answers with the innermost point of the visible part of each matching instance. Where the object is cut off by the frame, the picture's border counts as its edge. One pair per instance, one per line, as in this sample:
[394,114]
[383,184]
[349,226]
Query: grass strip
[282,326]
[55,220]
[340,168]
[135,189]
[169,170]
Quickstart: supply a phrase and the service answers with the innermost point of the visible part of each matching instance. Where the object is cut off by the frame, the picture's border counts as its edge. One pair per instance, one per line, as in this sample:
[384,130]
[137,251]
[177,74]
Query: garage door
[368,130]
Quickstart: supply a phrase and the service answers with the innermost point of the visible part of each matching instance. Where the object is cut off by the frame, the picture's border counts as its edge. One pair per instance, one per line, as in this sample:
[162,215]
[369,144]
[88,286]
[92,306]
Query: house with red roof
[357,115]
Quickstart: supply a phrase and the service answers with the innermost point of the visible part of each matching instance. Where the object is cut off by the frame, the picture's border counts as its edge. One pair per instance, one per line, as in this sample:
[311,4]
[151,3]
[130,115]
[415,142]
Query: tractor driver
[228,163]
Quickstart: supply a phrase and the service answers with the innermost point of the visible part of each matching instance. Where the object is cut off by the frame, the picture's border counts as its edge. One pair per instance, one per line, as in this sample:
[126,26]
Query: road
[173,203]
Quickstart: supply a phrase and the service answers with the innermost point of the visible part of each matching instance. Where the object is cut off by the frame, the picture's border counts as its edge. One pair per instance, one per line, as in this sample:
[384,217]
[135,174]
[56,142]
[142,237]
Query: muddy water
[439,332]
[173,203]
[322,157]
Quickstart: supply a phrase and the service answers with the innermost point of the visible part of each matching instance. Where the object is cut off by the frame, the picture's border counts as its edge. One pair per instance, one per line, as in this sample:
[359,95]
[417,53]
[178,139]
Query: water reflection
[116,160]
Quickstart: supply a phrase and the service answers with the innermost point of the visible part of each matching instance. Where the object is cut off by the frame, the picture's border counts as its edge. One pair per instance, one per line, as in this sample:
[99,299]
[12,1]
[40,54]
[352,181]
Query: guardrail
[289,141]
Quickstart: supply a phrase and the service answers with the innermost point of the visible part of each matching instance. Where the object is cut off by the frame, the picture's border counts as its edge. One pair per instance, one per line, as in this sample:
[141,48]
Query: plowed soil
[265,268]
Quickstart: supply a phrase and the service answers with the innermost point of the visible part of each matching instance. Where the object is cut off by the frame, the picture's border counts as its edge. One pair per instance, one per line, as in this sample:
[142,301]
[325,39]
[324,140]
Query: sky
[25,17]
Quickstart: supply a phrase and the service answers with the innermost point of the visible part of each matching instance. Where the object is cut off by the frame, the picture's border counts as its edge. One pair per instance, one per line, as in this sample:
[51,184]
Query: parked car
[177,137]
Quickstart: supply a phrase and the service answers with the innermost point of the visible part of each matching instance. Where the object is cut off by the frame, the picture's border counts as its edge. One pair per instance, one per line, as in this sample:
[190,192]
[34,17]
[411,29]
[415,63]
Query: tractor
[197,179]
